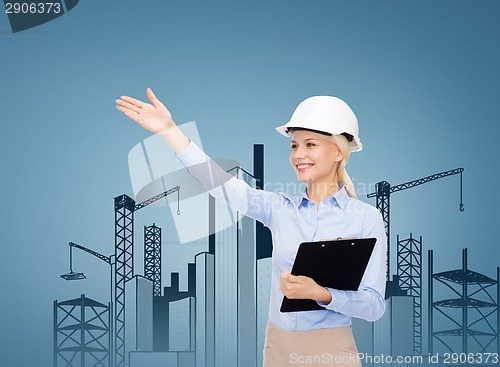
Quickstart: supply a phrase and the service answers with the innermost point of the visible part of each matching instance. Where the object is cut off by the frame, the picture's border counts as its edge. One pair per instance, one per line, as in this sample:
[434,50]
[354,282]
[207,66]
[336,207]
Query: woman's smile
[302,167]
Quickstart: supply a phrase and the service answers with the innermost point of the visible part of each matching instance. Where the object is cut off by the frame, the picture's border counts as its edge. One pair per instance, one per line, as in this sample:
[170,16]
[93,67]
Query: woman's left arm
[368,301]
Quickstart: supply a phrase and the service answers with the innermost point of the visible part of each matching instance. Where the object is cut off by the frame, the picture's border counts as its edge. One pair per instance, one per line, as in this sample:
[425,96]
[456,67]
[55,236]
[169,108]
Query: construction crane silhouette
[409,260]
[123,258]
[383,191]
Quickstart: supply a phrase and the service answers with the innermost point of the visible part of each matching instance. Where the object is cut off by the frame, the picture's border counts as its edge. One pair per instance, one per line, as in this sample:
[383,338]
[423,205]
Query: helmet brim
[355,144]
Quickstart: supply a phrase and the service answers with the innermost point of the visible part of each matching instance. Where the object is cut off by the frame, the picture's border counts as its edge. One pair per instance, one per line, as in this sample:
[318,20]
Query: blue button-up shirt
[296,219]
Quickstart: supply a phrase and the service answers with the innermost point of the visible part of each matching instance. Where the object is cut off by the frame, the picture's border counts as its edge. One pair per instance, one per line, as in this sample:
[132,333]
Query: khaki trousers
[323,347]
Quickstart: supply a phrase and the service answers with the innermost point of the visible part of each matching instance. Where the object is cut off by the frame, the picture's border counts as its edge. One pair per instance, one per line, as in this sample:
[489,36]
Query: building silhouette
[139,315]
[161,308]
[181,325]
[235,289]
[205,310]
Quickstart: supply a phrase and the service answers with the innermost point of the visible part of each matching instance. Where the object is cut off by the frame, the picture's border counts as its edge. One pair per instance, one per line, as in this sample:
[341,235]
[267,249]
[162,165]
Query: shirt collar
[340,198]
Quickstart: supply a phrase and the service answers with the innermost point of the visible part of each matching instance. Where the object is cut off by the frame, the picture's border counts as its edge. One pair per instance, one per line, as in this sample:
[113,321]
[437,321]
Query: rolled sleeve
[338,302]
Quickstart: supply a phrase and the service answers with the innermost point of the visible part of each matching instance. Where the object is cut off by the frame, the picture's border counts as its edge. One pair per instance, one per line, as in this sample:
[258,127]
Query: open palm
[153,117]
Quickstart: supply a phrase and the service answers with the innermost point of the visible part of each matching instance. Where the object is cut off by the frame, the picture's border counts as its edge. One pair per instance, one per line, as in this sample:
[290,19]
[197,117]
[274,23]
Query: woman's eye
[294,146]
[310,144]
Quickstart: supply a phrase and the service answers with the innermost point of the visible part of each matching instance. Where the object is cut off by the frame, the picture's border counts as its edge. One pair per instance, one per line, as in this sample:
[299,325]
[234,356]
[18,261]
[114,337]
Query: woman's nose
[296,157]
[299,153]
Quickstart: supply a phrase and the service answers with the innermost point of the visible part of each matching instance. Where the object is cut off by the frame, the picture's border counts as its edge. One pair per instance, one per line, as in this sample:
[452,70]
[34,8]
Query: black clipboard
[338,264]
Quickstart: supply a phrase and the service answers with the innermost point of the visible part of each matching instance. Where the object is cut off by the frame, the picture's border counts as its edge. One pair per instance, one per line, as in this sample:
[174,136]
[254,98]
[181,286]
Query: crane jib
[384,188]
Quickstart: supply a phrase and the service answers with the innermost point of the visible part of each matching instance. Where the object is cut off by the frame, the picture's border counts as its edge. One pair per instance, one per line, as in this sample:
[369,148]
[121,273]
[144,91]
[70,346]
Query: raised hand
[154,117]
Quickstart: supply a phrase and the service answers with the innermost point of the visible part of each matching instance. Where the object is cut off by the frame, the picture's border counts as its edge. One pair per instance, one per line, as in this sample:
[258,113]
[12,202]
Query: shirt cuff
[338,302]
[191,155]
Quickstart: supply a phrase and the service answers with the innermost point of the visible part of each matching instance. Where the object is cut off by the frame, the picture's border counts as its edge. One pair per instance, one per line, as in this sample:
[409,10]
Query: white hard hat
[325,114]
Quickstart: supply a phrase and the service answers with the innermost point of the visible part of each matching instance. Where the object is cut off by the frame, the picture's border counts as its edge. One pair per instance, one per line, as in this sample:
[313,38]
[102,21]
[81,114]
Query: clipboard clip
[340,238]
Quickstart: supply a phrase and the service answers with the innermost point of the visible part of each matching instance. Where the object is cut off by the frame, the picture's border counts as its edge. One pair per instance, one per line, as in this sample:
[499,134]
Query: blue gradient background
[422,77]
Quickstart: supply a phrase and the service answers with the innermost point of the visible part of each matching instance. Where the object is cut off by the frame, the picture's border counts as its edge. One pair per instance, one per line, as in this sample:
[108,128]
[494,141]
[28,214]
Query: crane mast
[124,259]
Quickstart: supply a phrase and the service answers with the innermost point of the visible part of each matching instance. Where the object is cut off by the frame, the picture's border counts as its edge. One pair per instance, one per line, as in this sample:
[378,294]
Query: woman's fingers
[130,114]
[289,278]
[288,289]
[133,101]
[128,106]
[297,286]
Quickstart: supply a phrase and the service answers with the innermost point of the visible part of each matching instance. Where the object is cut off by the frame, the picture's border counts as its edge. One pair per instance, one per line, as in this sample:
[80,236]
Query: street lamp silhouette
[72,275]
[79,276]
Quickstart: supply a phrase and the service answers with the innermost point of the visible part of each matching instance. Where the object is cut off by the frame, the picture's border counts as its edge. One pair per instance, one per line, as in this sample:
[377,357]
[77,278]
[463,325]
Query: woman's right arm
[233,192]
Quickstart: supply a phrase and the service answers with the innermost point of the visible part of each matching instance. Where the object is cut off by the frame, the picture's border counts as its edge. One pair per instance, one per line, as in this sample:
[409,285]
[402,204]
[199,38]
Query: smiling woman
[324,132]
[320,161]
[313,119]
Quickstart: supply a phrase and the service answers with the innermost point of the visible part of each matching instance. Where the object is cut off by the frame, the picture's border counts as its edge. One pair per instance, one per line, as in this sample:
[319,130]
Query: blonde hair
[342,175]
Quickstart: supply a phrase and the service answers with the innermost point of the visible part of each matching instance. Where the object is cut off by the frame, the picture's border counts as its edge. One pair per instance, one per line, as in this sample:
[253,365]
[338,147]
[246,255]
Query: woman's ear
[340,156]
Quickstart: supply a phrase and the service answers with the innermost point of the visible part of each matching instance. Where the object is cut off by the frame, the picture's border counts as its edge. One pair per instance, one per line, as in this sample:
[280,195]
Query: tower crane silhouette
[123,261]
[383,191]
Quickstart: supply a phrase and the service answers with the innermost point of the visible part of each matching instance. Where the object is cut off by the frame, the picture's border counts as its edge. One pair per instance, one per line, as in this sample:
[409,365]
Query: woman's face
[314,158]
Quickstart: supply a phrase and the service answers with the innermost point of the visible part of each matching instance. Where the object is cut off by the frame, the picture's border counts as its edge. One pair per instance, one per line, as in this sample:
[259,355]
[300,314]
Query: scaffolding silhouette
[82,335]
[474,325]
[410,280]
[152,257]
